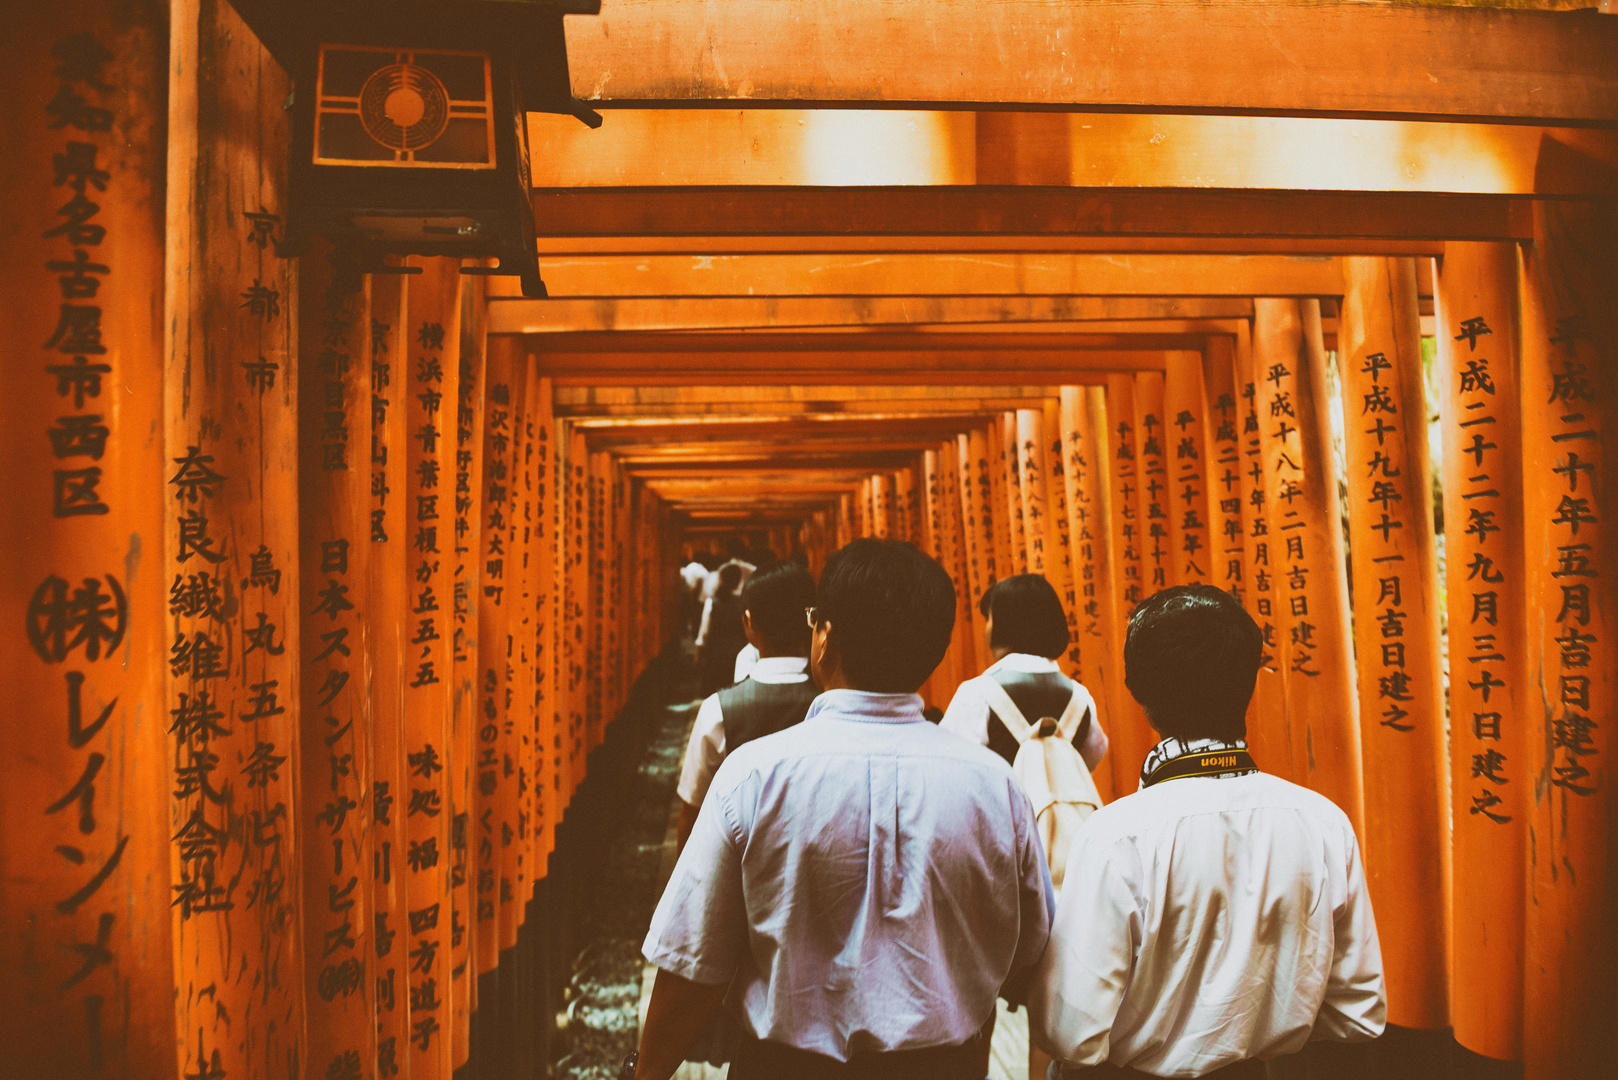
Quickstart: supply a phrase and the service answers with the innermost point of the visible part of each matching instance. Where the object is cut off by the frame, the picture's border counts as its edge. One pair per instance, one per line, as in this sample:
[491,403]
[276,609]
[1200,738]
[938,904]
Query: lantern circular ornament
[404,107]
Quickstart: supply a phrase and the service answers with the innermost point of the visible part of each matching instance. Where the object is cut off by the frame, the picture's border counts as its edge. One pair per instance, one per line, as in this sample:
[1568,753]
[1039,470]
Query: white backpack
[1051,771]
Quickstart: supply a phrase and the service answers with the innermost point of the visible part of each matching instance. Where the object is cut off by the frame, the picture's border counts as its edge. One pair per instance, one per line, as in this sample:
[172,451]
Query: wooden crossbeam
[647,314]
[1025,211]
[1139,245]
[942,366]
[1287,58]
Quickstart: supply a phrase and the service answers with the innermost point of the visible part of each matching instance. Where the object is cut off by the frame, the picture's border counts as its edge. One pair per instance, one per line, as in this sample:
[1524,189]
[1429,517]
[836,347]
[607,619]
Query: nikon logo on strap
[1204,763]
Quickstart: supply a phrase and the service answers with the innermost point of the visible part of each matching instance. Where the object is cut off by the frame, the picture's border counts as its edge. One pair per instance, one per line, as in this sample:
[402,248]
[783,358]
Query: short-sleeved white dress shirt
[705,749]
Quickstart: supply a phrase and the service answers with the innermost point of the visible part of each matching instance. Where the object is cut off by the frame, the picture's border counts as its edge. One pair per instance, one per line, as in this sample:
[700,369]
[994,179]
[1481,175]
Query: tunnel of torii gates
[318,600]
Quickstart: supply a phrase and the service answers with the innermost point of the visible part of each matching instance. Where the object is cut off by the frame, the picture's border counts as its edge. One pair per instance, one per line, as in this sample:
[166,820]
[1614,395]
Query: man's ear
[747,628]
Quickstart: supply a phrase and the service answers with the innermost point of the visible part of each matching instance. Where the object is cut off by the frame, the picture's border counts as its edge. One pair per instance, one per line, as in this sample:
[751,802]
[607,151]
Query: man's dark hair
[709,560]
[892,611]
[775,597]
[1190,658]
[1027,615]
[730,579]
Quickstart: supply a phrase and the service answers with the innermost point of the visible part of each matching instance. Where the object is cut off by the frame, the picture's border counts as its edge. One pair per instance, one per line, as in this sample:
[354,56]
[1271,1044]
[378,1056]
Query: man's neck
[772,654]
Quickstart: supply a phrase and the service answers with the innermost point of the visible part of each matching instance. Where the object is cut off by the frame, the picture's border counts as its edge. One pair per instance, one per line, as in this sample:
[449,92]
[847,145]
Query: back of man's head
[775,598]
[891,610]
[1190,658]
[730,579]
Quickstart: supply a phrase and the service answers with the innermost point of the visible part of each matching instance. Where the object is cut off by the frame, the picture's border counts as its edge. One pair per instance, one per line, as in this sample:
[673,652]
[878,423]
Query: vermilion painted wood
[84,778]
[978,529]
[1060,562]
[1028,444]
[1223,438]
[1006,474]
[1185,422]
[1390,517]
[1567,1010]
[1159,567]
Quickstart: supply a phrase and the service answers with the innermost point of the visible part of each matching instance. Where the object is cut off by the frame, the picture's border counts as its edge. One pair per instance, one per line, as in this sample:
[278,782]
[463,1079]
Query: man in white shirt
[869,881]
[773,603]
[1218,916]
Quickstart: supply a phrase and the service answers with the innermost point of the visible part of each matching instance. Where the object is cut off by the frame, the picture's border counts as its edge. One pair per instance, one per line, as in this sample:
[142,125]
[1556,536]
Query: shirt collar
[780,669]
[1027,663]
[1169,749]
[864,707]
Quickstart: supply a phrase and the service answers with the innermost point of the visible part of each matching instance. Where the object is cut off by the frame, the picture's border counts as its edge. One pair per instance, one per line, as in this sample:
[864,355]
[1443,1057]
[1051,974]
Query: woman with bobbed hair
[1027,632]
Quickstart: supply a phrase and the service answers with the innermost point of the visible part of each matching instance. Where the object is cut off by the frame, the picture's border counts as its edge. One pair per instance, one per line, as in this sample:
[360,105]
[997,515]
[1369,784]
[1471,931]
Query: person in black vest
[1027,635]
[774,696]
[722,633]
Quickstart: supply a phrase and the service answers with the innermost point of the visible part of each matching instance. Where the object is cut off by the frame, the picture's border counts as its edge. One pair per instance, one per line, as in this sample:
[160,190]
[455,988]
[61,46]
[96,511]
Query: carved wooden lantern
[409,132]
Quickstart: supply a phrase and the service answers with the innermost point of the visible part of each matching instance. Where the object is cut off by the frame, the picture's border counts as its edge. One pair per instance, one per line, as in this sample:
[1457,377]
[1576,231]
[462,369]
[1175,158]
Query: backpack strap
[1000,703]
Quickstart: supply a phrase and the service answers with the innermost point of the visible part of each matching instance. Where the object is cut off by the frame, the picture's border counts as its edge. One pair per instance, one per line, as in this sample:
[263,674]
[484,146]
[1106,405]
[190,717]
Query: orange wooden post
[977,532]
[1477,364]
[1269,737]
[1011,489]
[1089,600]
[578,611]
[231,527]
[1157,556]
[1225,563]
[1059,564]
[1569,339]
[904,488]
[1132,737]
[546,770]
[1030,474]
[431,380]
[1307,543]
[846,517]
[84,890]
[941,683]
[466,537]
[388,575]
[1390,513]
[334,410]
[516,797]
[964,642]
[1185,452]
[882,519]
[995,472]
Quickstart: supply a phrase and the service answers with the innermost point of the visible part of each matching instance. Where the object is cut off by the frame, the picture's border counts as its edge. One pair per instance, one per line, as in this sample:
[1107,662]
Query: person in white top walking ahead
[1218,916]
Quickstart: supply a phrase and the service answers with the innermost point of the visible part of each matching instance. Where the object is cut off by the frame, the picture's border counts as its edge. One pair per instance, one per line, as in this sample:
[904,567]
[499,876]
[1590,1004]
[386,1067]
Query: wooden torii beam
[953,366]
[1297,59]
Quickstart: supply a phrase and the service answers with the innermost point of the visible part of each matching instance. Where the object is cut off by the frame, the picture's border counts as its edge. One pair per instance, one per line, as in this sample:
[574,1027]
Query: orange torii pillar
[1185,452]
[1059,566]
[1030,474]
[1226,567]
[494,792]
[968,638]
[85,942]
[1307,548]
[1268,735]
[1390,513]
[905,515]
[431,379]
[1082,413]
[1158,562]
[231,533]
[334,408]
[575,611]
[1569,341]
[883,523]
[548,796]
[977,534]
[387,576]
[1009,475]
[1477,363]
[937,544]
[514,797]
[1132,737]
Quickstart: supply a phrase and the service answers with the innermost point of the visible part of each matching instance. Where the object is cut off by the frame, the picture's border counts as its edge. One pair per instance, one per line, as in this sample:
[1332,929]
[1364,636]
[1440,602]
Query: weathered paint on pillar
[431,389]
[1082,446]
[1269,736]
[1132,737]
[1477,365]
[1390,515]
[1157,556]
[1569,348]
[1307,546]
[1185,451]
[388,577]
[231,533]
[334,410]
[1225,563]
[84,859]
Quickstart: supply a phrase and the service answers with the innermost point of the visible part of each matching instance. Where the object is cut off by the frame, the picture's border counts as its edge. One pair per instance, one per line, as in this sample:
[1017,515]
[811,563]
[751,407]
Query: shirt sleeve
[1080,982]
[1037,898]
[1094,746]
[703,752]
[1356,1005]
[699,929]
[707,617]
[967,715]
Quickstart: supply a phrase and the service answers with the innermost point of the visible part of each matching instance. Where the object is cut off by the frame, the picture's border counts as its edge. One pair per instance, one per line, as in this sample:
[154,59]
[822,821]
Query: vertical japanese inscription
[1186,457]
[1156,548]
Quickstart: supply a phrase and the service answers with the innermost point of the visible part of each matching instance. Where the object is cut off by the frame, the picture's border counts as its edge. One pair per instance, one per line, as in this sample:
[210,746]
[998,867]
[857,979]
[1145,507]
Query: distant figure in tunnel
[1217,916]
[870,882]
[722,633]
[1044,724]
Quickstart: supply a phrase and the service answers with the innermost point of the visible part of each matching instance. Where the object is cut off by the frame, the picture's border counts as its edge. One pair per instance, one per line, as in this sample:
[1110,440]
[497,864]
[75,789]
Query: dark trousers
[757,1059]
[1242,1070]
